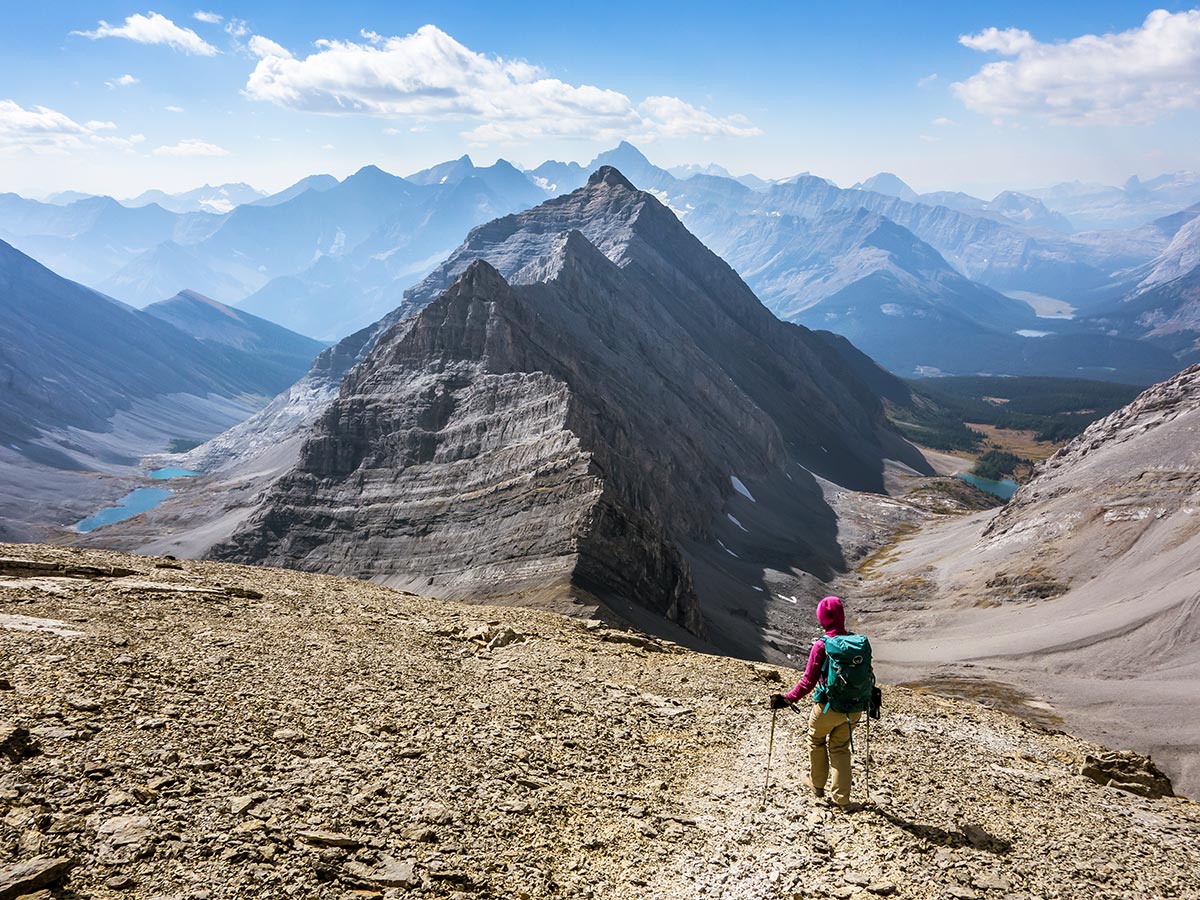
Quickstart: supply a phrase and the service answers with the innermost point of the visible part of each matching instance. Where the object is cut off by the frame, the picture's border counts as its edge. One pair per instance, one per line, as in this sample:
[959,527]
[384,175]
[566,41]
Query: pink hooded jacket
[832,616]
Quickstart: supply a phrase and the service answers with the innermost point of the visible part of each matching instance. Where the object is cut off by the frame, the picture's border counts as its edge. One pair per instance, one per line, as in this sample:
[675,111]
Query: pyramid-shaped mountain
[585,406]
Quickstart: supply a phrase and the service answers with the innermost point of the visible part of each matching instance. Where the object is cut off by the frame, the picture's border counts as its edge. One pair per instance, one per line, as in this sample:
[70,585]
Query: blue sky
[158,97]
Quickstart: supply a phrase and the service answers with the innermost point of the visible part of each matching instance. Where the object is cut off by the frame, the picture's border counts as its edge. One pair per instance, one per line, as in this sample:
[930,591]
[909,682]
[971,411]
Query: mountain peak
[610,176]
[371,171]
[889,184]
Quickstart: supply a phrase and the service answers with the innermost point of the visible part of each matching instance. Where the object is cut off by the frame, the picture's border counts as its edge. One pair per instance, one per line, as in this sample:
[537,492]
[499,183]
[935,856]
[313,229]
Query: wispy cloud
[174,109]
[943,122]
[429,75]
[153,28]
[123,81]
[208,18]
[927,80]
[1129,77]
[191,147]
[39,129]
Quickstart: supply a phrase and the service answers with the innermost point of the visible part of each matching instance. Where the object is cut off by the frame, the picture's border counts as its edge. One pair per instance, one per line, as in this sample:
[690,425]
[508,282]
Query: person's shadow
[970,836]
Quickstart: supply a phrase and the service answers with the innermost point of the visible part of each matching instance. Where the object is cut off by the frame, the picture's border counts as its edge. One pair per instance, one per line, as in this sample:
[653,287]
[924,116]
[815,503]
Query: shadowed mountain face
[288,353]
[73,358]
[617,421]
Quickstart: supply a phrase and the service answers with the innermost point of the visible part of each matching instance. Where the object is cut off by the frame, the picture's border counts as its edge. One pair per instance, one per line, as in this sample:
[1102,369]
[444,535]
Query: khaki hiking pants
[829,747]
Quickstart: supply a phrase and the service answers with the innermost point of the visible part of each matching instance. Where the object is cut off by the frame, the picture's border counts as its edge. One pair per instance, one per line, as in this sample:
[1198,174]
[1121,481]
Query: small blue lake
[132,504]
[172,472]
[1002,489]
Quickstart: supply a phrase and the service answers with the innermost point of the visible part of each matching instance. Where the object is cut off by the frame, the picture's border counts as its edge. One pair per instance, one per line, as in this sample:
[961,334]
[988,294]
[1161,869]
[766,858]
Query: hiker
[840,679]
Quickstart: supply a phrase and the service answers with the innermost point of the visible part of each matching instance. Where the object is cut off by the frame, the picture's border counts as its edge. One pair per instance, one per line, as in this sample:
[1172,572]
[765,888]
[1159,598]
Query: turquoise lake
[172,472]
[1002,489]
[133,503]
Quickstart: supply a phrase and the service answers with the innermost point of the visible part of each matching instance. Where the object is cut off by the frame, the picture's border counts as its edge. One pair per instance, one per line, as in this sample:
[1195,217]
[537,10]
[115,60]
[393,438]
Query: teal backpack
[848,681]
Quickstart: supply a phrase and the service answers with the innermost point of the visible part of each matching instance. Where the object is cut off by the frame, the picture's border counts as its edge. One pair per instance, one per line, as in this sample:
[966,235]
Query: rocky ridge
[201,730]
[1082,588]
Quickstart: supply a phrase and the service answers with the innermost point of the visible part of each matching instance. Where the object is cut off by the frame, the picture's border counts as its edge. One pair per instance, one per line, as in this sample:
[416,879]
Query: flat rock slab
[15,622]
[33,875]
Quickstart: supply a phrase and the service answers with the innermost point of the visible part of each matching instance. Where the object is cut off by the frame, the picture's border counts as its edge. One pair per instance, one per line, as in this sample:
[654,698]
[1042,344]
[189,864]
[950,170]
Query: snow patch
[741,488]
[734,520]
[1031,333]
[726,549]
[891,309]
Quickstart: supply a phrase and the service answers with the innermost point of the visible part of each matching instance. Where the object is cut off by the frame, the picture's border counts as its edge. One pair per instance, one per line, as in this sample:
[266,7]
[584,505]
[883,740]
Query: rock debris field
[197,730]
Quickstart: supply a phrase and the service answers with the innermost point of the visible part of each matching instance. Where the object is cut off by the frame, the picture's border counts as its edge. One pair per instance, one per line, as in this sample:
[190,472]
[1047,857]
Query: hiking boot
[817,792]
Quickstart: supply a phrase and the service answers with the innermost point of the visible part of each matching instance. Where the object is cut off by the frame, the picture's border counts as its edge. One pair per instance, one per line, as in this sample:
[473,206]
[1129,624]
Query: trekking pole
[868,779]
[770,752]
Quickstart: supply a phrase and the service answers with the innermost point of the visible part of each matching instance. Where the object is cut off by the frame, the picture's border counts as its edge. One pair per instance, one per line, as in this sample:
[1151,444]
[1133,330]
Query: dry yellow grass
[1022,443]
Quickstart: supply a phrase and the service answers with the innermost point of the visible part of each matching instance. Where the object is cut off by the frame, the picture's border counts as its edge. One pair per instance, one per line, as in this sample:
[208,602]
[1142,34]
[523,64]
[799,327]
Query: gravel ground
[208,730]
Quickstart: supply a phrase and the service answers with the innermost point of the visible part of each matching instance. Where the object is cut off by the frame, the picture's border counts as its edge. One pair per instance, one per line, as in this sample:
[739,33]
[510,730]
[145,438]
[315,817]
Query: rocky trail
[174,729]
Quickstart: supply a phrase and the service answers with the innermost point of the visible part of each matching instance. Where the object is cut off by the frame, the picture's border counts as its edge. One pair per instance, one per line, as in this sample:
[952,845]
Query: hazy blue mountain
[508,183]
[168,269]
[1028,211]
[311,183]
[221,198]
[556,177]
[753,182]
[452,171]
[633,164]
[1102,206]
[887,183]
[62,198]
[348,286]
[288,353]
[1163,306]
[71,357]
[687,171]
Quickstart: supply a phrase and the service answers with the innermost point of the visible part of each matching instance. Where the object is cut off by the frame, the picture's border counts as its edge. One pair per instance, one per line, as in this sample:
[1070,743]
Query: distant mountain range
[913,286]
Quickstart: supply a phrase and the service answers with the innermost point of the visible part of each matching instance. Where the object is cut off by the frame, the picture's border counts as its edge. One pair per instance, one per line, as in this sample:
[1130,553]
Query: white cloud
[208,18]
[153,29]
[943,122]
[1008,42]
[123,81]
[237,28]
[42,130]
[929,138]
[429,75]
[174,109]
[191,147]
[1129,77]
[927,80]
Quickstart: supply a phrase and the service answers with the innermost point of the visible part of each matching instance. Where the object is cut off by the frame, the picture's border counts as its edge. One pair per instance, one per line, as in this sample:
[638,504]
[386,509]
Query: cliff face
[623,423]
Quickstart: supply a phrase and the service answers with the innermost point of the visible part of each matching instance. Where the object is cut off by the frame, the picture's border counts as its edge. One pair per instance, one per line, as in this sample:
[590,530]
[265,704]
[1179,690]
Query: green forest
[1055,409]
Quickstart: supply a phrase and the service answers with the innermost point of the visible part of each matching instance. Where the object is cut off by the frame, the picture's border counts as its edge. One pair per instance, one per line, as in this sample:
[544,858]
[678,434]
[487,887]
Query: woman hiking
[840,679]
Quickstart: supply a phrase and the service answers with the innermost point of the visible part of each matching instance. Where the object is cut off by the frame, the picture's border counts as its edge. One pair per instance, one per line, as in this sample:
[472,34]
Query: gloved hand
[778,701]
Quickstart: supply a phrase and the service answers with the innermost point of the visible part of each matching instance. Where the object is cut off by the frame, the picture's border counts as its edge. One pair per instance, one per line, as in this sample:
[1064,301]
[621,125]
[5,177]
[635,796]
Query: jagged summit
[575,410]
[610,176]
